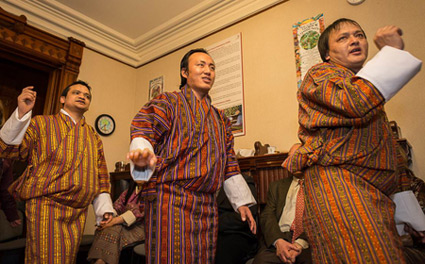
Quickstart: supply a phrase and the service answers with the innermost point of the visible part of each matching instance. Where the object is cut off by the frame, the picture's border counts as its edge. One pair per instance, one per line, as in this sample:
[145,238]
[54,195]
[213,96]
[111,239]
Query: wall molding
[206,18]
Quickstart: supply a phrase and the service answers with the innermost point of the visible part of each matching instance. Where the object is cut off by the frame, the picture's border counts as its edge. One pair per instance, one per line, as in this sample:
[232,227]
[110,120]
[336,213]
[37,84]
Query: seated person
[122,230]
[413,240]
[235,243]
[7,202]
[280,243]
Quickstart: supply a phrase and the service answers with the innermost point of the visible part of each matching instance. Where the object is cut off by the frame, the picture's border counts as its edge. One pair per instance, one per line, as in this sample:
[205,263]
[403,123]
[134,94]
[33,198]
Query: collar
[67,114]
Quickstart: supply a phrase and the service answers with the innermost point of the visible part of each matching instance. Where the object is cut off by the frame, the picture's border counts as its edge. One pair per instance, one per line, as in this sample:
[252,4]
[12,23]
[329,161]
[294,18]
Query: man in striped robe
[348,155]
[66,172]
[183,147]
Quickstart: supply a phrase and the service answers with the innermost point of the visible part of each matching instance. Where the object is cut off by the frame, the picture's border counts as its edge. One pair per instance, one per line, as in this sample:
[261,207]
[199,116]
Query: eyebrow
[206,62]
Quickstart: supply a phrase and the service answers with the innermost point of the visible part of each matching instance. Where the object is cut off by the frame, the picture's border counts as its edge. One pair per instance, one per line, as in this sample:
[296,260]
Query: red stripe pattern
[349,161]
[194,145]
[66,170]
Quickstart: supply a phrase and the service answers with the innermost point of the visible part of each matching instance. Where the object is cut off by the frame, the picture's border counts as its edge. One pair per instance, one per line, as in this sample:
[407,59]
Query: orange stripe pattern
[349,161]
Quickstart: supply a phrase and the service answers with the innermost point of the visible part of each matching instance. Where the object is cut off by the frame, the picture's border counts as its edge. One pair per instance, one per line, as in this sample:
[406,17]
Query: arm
[102,203]
[240,196]
[148,127]
[269,220]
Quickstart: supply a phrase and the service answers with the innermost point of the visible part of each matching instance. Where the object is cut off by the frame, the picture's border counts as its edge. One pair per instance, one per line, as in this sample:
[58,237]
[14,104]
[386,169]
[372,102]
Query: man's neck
[75,116]
[199,94]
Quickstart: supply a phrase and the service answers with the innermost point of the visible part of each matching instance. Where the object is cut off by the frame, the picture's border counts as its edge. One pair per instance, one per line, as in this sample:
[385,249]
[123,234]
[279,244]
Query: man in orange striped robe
[187,146]
[348,155]
[66,172]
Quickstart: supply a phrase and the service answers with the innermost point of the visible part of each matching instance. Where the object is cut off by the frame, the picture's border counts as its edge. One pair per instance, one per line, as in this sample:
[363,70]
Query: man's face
[348,47]
[200,73]
[78,99]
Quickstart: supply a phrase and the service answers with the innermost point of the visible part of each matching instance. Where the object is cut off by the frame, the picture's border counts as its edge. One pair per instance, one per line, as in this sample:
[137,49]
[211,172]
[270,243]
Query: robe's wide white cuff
[128,217]
[136,173]
[238,192]
[13,131]
[390,70]
[103,204]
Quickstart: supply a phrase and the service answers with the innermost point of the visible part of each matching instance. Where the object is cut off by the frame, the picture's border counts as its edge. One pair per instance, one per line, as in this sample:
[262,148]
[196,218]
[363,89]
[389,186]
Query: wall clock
[105,125]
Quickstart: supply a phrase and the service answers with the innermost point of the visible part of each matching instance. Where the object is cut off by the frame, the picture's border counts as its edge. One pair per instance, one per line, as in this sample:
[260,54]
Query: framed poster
[306,35]
[227,93]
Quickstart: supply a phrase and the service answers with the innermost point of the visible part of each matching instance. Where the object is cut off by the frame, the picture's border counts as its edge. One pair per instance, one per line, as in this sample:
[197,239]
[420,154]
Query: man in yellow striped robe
[348,155]
[66,172]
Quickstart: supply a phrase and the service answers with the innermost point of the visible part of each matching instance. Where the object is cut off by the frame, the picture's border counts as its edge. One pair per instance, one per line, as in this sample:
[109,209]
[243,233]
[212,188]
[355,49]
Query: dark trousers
[235,248]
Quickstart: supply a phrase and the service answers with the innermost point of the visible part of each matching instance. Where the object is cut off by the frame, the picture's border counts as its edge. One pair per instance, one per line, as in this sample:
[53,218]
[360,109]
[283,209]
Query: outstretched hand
[142,158]
[26,100]
[247,215]
[389,36]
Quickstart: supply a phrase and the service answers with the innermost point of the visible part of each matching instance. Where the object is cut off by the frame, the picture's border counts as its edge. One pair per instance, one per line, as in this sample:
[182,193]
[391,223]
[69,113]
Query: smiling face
[77,100]
[348,47]
[200,74]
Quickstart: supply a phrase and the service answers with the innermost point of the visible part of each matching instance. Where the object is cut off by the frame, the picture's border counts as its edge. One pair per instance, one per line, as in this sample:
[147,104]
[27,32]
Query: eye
[360,35]
[342,38]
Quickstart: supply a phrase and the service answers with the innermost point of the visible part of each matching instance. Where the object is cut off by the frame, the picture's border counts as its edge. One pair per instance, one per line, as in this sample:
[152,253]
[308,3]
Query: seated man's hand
[284,251]
[107,217]
[16,223]
[247,215]
[295,253]
[418,236]
[142,158]
[114,221]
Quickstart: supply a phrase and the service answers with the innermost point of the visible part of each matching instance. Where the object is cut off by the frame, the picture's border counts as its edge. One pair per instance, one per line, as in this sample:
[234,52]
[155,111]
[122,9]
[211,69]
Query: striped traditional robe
[66,170]
[194,145]
[349,161]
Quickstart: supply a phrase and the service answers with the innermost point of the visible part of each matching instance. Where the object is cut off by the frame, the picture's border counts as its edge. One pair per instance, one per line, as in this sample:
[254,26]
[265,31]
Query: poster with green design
[306,35]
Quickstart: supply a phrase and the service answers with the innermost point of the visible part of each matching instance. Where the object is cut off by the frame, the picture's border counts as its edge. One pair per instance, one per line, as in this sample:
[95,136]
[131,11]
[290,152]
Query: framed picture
[156,87]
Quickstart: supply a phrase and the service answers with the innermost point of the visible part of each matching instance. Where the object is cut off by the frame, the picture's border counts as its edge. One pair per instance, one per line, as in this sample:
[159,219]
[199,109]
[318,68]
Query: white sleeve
[13,131]
[140,174]
[103,204]
[238,192]
[390,70]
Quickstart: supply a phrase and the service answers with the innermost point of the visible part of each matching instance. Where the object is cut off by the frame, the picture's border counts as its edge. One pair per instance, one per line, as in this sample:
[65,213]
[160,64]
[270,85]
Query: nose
[354,40]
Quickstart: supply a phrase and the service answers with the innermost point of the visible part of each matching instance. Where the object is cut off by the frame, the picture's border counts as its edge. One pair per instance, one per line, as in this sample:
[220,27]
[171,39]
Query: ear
[327,56]
[62,99]
[184,72]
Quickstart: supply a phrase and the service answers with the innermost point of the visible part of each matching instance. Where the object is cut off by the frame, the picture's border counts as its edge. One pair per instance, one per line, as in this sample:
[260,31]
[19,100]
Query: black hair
[66,90]
[131,187]
[184,63]
[323,44]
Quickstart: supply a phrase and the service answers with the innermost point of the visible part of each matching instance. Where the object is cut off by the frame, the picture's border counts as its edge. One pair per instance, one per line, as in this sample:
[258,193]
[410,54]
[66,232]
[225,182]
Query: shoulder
[327,70]
[281,182]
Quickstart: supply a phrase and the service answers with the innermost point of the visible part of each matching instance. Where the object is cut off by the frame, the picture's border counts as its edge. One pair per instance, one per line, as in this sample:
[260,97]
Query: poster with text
[306,35]
[227,92]
[156,87]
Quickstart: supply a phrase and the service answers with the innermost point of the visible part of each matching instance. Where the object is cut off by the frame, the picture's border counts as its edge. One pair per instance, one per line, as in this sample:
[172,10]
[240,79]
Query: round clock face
[105,125]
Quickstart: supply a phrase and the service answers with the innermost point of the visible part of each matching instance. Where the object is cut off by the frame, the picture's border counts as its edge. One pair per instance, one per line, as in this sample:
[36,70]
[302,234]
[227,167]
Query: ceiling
[135,32]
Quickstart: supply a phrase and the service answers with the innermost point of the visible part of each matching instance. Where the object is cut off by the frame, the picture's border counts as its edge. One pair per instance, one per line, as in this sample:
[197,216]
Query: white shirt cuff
[390,70]
[103,204]
[136,173]
[302,242]
[13,131]
[238,192]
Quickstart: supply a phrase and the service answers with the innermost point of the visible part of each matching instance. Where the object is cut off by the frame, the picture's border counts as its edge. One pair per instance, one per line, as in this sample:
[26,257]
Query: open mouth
[356,51]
